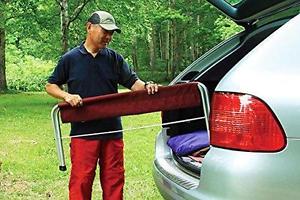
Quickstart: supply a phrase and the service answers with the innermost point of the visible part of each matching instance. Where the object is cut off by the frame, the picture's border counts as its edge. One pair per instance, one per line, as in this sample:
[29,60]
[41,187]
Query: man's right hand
[55,91]
[73,100]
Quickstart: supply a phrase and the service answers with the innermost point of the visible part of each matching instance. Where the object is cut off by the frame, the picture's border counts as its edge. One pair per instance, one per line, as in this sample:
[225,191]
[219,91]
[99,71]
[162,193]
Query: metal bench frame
[57,129]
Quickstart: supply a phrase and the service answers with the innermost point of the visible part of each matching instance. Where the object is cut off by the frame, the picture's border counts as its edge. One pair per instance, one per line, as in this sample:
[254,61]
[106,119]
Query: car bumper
[172,181]
[230,175]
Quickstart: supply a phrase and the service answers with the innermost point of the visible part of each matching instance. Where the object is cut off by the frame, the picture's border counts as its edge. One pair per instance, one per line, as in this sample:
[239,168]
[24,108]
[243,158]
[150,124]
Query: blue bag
[188,143]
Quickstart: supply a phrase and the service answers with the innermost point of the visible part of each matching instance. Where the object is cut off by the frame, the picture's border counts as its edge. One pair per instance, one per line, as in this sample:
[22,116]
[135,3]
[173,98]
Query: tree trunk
[3,85]
[134,54]
[172,49]
[167,51]
[161,49]
[152,50]
[66,20]
[187,55]
[172,64]
[64,17]
[197,49]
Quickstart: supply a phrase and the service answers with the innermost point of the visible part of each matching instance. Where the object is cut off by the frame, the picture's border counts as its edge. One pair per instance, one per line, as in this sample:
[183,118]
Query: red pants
[84,157]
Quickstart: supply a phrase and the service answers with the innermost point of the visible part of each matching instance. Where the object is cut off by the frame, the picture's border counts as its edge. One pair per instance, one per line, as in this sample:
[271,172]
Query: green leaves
[25,72]
[226,28]
[158,36]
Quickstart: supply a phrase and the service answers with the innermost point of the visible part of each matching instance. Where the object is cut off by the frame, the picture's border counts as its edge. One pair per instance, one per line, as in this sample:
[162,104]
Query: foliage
[33,27]
[234,1]
[156,76]
[226,28]
[159,38]
[25,72]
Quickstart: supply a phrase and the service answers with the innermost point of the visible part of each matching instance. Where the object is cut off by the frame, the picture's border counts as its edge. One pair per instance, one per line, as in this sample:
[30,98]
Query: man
[91,70]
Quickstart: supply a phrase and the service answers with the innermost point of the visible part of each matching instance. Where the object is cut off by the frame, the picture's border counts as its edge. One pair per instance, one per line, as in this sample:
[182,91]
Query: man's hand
[55,91]
[151,87]
[73,100]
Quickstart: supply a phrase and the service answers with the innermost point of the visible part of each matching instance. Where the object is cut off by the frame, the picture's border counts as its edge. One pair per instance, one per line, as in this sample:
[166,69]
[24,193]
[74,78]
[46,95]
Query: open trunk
[209,70]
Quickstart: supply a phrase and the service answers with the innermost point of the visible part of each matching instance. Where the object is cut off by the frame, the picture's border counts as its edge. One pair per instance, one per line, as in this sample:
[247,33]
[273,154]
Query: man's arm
[141,85]
[55,91]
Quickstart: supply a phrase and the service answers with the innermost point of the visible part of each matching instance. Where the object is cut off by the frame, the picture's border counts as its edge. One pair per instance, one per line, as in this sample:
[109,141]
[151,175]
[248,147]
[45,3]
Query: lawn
[28,159]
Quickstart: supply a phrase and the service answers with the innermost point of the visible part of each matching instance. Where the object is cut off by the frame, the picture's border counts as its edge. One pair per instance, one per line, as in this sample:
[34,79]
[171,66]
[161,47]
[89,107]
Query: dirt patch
[10,185]
[2,153]
[24,141]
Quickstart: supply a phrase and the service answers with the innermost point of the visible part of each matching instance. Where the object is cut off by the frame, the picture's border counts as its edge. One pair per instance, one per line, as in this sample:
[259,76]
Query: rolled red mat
[129,103]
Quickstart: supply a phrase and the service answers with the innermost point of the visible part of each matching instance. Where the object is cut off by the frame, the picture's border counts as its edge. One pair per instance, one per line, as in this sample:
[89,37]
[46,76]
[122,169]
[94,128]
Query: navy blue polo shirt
[90,76]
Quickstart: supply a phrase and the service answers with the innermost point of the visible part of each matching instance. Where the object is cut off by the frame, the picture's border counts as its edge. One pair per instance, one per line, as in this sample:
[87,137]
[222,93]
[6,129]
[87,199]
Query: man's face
[99,36]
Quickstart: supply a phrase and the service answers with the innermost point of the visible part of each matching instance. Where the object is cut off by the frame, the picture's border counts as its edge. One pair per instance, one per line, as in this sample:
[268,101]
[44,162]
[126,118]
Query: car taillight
[244,122]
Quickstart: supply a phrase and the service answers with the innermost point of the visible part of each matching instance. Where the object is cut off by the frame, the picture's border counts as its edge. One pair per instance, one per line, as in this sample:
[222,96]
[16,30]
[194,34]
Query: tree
[3,85]
[67,19]
[159,37]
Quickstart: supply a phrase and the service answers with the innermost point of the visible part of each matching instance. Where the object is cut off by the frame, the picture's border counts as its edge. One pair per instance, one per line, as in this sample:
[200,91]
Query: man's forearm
[55,91]
[138,85]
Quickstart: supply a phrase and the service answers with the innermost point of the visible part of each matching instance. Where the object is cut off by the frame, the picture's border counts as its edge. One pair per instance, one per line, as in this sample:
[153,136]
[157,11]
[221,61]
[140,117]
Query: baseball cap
[105,20]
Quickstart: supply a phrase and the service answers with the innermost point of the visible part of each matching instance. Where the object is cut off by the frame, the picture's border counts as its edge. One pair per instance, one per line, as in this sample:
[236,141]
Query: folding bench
[168,98]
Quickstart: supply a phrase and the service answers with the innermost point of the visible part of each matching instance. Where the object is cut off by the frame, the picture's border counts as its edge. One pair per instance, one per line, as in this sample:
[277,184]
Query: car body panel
[248,12]
[228,174]
[278,54]
[270,72]
[235,175]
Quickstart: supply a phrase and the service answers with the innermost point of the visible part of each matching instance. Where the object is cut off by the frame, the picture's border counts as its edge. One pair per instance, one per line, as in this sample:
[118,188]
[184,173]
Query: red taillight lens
[243,122]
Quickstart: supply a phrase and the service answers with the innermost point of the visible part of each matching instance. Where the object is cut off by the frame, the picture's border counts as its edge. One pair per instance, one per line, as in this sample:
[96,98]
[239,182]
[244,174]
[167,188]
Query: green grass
[28,159]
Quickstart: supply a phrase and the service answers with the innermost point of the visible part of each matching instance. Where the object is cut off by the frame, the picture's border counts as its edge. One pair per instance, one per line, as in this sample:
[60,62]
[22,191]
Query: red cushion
[129,103]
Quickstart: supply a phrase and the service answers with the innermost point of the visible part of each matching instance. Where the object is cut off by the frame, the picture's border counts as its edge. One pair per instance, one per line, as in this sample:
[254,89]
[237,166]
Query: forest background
[159,37]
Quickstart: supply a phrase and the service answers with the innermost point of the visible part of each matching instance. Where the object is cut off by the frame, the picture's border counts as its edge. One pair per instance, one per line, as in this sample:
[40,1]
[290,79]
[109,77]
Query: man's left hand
[151,87]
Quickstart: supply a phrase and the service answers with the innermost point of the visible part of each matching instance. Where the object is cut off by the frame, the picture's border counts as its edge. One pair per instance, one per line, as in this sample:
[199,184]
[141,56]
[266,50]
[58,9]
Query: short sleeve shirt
[89,76]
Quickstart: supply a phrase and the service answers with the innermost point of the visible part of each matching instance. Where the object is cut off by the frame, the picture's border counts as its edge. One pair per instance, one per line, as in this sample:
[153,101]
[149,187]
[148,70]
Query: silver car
[252,83]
